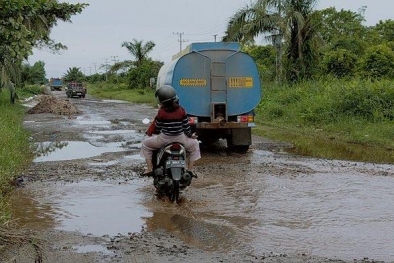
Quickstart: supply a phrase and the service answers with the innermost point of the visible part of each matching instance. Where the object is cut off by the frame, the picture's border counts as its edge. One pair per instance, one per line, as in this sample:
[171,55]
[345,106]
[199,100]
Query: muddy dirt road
[84,196]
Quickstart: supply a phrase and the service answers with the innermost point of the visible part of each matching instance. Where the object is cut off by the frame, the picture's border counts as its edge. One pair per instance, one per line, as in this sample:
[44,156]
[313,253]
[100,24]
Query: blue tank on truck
[219,86]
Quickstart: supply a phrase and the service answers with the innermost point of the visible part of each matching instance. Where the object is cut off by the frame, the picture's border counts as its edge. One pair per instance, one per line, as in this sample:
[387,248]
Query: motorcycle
[170,176]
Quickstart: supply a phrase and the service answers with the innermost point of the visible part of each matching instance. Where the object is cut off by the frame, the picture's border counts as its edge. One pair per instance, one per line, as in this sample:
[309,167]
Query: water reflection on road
[282,205]
[259,202]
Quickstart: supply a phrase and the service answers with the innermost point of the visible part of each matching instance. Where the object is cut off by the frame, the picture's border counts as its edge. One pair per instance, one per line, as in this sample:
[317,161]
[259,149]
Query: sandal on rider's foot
[151,173]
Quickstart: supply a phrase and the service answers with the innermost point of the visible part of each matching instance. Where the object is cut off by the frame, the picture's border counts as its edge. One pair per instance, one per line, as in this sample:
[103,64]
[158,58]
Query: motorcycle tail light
[175,147]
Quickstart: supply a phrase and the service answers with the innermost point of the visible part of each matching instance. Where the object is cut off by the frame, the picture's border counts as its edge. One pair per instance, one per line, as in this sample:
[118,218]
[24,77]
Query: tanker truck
[219,86]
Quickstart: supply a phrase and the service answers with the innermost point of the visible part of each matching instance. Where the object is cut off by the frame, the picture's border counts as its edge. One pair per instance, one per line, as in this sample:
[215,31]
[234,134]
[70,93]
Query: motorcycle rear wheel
[175,191]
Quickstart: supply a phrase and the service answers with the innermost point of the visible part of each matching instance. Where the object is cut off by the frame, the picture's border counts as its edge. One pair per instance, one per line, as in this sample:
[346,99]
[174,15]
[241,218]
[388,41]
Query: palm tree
[139,50]
[288,24]
[74,74]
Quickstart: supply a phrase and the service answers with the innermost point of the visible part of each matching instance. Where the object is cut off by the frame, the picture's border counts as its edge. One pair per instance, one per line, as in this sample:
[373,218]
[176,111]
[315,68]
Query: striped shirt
[173,123]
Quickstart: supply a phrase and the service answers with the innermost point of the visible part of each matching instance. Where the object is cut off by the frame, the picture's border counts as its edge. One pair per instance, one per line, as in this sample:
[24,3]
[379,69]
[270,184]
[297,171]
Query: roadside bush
[373,101]
[30,90]
[330,101]
[378,62]
[340,63]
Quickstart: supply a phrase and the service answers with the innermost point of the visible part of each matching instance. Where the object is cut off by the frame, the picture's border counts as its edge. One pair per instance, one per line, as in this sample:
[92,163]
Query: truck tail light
[193,120]
[245,118]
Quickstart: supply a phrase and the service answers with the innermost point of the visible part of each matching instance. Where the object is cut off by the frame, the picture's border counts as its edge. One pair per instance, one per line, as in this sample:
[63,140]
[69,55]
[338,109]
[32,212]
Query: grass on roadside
[351,120]
[121,92]
[15,156]
[15,153]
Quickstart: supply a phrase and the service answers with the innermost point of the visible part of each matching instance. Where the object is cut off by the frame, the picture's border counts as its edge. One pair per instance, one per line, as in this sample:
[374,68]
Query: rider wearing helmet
[171,124]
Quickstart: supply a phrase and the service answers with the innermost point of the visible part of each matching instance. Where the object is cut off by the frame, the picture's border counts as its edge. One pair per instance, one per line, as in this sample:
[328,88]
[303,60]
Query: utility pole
[215,36]
[106,69]
[115,61]
[95,67]
[180,40]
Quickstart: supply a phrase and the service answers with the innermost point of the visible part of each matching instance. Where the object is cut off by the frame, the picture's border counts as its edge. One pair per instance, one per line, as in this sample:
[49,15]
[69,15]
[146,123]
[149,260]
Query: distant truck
[56,84]
[75,89]
[219,86]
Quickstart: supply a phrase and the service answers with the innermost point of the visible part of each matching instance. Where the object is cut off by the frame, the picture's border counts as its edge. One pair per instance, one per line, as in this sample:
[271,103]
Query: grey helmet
[166,94]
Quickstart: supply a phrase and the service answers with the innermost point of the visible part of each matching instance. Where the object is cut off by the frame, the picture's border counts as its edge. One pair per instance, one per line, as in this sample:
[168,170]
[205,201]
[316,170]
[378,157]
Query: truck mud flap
[240,136]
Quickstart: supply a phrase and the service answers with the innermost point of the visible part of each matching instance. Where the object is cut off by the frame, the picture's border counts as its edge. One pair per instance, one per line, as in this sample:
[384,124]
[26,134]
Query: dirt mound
[50,104]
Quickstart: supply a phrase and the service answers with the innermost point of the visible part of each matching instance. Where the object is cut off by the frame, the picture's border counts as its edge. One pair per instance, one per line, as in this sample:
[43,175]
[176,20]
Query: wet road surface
[262,201]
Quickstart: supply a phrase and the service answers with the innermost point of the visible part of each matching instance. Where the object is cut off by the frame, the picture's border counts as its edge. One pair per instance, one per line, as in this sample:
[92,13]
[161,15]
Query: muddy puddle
[90,207]
[71,150]
[260,202]
[320,208]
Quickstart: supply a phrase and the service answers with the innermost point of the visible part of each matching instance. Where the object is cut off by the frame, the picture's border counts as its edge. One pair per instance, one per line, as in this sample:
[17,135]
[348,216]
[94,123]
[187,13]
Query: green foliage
[34,74]
[74,75]
[337,26]
[15,153]
[139,77]
[378,62]
[340,63]
[322,103]
[332,118]
[385,30]
[96,78]
[290,25]
[139,50]
[30,90]
[122,92]
[266,60]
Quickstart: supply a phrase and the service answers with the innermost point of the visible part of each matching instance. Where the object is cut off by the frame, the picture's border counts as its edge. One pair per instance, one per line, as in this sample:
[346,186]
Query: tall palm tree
[288,24]
[139,50]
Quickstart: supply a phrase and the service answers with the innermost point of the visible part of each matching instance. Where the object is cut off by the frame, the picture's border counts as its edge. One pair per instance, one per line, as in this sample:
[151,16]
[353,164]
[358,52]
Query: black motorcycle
[170,174]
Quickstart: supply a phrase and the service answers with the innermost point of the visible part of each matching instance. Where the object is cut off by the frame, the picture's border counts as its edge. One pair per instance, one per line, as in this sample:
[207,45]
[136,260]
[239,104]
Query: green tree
[385,30]
[74,74]
[378,62]
[139,76]
[289,24]
[266,60]
[34,74]
[340,63]
[341,28]
[139,51]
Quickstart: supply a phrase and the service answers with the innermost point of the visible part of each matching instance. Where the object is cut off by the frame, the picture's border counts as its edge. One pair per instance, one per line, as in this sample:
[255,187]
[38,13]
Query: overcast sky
[95,36]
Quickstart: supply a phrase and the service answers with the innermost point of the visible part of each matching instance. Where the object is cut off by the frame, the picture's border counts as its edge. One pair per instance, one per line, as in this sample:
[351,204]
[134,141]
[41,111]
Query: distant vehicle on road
[56,84]
[75,89]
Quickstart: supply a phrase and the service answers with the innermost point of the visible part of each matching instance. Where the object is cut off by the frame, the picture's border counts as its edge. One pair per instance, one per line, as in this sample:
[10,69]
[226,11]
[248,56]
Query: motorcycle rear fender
[166,149]
[176,173]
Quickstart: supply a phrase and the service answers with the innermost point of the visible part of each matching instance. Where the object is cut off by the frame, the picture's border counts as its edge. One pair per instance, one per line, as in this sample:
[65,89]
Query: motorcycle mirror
[145,121]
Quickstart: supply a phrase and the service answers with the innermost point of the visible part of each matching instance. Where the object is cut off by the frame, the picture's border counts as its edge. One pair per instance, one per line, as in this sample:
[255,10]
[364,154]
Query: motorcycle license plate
[175,163]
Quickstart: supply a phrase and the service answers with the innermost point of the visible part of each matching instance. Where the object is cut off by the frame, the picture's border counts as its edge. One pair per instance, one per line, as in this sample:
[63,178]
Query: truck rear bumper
[227,125]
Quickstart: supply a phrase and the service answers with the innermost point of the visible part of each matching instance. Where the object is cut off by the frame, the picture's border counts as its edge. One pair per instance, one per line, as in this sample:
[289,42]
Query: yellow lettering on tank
[193,82]
[240,82]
